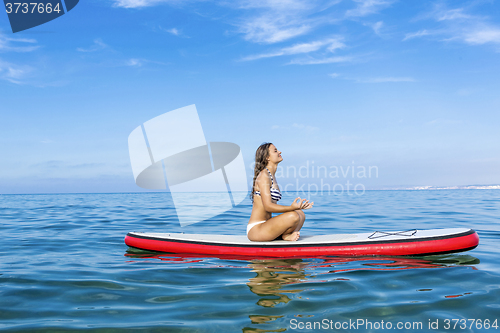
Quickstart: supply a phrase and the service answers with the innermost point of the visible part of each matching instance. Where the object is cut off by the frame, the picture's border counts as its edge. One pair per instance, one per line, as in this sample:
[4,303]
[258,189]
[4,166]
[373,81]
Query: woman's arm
[270,206]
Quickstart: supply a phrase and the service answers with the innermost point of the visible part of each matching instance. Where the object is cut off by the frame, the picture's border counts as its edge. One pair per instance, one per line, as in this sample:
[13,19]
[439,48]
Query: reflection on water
[273,275]
[279,282]
[397,263]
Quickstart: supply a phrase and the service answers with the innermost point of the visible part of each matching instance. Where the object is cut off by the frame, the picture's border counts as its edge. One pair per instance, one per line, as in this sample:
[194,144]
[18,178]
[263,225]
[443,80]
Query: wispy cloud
[271,29]
[452,14]
[368,7]
[274,21]
[330,44]
[278,21]
[14,73]
[139,62]
[9,44]
[458,25]
[417,34]
[134,62]
[140,3]
[263,21]
[383,79]
[482,35]
[10,71]
[173,31]
[377,27]
[320,61]
[97,46]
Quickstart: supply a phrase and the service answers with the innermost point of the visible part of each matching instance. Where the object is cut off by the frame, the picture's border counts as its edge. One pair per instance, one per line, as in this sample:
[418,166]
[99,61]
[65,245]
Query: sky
[409,88]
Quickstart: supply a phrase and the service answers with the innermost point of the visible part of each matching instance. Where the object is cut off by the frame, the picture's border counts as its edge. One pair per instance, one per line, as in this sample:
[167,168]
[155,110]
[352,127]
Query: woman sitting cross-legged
[265,195]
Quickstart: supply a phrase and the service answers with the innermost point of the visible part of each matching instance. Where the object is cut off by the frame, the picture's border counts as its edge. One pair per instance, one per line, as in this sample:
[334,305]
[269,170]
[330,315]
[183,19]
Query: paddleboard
[391,243]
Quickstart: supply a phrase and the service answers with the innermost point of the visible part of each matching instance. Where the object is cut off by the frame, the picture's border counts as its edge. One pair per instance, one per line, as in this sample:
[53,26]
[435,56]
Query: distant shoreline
[464,187]
[387,188]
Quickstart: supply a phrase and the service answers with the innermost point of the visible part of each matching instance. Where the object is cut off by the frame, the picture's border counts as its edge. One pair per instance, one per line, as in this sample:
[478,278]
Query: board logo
[204,179]
[25,14]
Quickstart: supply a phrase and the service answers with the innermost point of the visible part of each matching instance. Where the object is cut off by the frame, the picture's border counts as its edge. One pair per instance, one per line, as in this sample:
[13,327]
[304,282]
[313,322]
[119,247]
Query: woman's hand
[308,205]
[301,204]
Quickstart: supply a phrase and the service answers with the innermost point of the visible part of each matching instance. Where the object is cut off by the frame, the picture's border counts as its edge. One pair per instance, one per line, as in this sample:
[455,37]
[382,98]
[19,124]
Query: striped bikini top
[275,193]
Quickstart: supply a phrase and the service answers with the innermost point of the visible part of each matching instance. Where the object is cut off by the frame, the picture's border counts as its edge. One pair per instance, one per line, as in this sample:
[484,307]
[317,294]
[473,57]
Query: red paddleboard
[391,243]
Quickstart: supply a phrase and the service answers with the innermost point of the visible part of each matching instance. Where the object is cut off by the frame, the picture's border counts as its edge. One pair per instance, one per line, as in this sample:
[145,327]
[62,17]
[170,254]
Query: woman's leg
[293,234]
[286,224]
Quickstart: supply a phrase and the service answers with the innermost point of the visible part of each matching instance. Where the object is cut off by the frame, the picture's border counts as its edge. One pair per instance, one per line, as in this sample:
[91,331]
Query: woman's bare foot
[291,237]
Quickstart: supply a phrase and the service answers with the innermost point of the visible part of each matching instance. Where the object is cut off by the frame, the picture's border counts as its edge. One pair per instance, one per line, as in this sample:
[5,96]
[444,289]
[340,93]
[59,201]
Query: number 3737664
[31,7]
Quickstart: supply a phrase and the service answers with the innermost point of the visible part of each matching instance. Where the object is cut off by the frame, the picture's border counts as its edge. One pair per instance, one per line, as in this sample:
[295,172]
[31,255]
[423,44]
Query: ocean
[65,268]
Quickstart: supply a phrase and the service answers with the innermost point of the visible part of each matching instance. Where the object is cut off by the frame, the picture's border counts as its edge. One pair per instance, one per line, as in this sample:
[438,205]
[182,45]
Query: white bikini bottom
[253,224]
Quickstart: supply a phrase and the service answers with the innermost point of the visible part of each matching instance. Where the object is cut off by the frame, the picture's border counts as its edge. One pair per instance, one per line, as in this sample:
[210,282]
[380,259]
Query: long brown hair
[261,156]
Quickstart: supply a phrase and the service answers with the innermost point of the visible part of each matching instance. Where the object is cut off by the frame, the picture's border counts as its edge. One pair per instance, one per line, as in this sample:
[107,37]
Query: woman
[265,195]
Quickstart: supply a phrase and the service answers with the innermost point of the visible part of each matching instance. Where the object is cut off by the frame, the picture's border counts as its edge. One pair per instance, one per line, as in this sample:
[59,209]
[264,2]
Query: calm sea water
[65,267]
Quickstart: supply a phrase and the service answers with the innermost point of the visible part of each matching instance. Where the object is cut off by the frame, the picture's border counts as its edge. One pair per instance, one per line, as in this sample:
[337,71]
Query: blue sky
[410,87]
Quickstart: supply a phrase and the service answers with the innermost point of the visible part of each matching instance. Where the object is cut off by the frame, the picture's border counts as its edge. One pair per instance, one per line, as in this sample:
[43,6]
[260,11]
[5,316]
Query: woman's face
[274,155]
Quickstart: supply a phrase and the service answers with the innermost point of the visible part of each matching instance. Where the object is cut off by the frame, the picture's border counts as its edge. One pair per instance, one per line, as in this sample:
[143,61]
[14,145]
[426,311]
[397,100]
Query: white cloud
[173,31]
[482,35]
[271,29]
[367,7]
[453,14]
[278,5]
[384,79]
[331,44]
[457,25]
[377,27]
[139,3]
[14,73]
[8,44]
[134,63]
[417,34]
[262,21]
[319,61]
[97,46]
[274,21]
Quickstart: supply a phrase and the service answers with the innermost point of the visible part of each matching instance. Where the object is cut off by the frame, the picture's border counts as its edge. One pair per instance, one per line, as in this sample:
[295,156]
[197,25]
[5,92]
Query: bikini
[275,196]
